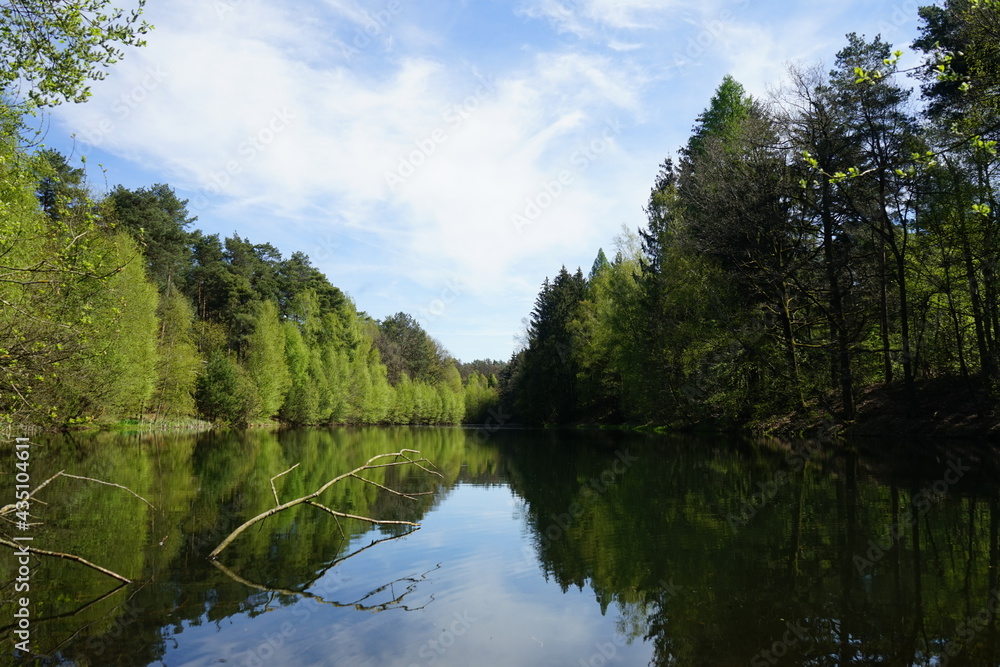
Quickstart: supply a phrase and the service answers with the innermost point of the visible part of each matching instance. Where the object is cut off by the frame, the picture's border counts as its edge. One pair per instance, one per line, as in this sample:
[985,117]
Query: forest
[837,237]
[116,310]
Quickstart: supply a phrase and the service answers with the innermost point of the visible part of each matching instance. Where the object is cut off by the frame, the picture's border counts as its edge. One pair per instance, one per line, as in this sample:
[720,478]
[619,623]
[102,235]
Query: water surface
[535,548]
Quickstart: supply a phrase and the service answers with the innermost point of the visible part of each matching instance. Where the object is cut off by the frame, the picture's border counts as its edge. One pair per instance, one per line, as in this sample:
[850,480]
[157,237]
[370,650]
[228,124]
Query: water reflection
[841,561]
[539,547]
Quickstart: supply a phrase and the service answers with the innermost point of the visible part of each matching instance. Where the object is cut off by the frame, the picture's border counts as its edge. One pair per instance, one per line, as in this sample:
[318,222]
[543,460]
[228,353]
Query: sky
[440,158]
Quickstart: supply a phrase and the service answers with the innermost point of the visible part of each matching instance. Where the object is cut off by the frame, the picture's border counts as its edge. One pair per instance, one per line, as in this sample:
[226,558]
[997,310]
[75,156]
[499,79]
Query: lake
[554,547]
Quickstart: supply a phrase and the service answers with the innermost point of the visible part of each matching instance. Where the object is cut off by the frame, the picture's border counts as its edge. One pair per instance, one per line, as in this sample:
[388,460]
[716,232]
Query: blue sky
[440,158]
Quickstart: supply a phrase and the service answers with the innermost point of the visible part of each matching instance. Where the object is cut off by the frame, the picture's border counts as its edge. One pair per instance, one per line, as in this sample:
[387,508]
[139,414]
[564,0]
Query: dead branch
[11,508]
[7,509]
[361,604]
[309,499]
[58,554]
[274,490]
[91,479]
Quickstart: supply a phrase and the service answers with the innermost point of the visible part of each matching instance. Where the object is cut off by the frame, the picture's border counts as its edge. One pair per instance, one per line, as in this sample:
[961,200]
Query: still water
[534,548]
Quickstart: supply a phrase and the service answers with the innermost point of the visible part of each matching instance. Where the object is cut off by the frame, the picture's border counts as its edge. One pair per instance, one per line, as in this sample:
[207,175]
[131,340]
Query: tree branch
[370,464]
[58,554]
[12,507]
[274,490]
[361,604]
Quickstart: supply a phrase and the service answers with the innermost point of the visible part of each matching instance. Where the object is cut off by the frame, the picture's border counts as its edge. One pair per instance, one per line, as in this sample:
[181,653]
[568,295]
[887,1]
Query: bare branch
[370,464]
[361,604]
[361,518]
[57,554]
[410,496]
[274,490]
[8,509]
[91,479]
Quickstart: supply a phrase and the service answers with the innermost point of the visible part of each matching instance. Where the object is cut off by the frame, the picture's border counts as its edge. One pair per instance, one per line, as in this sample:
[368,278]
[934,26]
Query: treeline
[116,310]
[801,249]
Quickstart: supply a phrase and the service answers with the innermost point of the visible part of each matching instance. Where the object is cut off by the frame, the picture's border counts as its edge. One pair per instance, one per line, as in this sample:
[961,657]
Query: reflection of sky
[487,604]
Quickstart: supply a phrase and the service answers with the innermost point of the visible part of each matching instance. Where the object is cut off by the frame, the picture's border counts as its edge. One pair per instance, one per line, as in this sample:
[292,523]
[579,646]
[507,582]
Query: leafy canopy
[54,48]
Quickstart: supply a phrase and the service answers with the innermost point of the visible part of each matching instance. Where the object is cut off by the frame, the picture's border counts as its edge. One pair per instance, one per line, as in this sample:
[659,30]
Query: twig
[274,490]
[395,603]
[91,479]
[12,507]
[410,496]
[6,509]
[370,464]
[360,518]
[58,554]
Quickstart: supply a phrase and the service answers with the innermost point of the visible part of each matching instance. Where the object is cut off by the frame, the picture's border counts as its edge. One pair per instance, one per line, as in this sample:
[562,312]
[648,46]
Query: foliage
[178,361]
[800,250]
[265,359]
[157,219]
[55,49]
[226,393]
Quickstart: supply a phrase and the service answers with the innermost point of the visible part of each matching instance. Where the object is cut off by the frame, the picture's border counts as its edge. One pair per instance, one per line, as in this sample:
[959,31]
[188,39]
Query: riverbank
[947,407]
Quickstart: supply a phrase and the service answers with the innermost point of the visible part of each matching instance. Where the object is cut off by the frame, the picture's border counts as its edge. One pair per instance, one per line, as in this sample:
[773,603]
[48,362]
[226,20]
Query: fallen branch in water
[356,474]
[57,554]
[363,603]
[20,507]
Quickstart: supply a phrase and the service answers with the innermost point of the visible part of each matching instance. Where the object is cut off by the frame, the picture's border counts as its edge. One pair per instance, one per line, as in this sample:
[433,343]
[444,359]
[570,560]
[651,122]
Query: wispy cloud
[395,141]
[585,18]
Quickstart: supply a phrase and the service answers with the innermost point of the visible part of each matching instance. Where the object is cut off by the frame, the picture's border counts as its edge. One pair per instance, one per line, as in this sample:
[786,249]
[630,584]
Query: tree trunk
[837,320]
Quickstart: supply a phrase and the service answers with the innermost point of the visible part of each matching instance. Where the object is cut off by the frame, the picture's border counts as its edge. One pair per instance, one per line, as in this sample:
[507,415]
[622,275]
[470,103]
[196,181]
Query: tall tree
[406,348]
[159,222]
[816,129]
[265,359]
[737,193]
[61,187]
[878,123]
[178,361]
[726,110]
[548,385]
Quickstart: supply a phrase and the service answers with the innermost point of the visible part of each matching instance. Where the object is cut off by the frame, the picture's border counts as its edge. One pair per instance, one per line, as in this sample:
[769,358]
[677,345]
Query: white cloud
[582,17]
[285,123]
